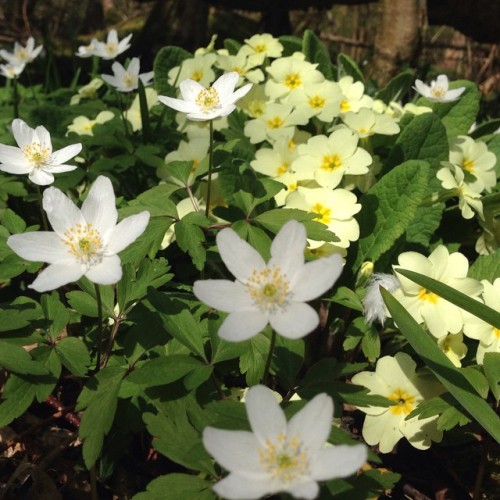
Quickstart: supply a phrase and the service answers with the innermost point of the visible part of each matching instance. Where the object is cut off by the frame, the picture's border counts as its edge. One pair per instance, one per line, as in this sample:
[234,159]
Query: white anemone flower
[126,80]
[34,156]
[202,104]
[89,50]
[274,293]
[84,242]
[22,54]
[112,47]
[438,90]
[280,456]
[11,71]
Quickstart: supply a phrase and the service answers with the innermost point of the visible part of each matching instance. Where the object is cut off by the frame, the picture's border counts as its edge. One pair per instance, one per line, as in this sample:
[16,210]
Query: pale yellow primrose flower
[366,123]
[272,293]
[126,80]
[34,155]
[133,114]
[353,96]
[22,54]
[198,68]
[201,104]
[475,328]
[397,111]
[395,378]
[258,47]
[328,159]
[335,208]
[291,74]
[280,456]
[440,316]
[453,347]
[243,65]
[88,91]
[473,157]
[82,125]
[318,99]
[85,241]
[255,102]
[278,120]
[438,91]
[452,178]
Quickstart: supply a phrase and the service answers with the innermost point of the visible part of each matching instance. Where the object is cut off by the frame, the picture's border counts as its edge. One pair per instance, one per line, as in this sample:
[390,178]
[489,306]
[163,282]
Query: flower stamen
[269,288]
[84,242]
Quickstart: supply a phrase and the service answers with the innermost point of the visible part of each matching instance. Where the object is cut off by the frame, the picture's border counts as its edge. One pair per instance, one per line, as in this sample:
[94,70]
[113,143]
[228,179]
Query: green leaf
[486,267]
[175,486]
[164,370]
[290,44]
[461,300]
[191,239]
[316,53]
[389,207]
[83,303]
[100,398]
[74,355]
[397,86]
[288,359]
[12,222]
[149,155]
[18,395]
[451,417]
[491,365]
[348,298]
[143,106]
[485,128]
[450,376]
[15,359]
[55,311]
[346,66]
[167,58]
[232,46]
[253,361]
[19,314]
[255,236]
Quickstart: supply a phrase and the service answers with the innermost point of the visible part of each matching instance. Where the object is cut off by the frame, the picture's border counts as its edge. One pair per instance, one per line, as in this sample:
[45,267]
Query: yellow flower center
[197,75]
[238,70]
[496,331]
[260,48]
[129,80]
[284,459]
[282,169]
[208,99]
[256,108]
[22,54]
[424,294]
[344,106]
[111,48]
[292,81]
[36,154]
[438,92]
[276,122]
[331,162]
[269,288]
[84,243]
[324,213]
[405,402]
[316,102]
[468,165]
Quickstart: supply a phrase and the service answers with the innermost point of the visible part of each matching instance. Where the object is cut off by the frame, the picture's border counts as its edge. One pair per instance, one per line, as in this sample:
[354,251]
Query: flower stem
[265,378]
[99,327]
[122,105]
[45,222]
[210,166]
[15,97]
[114,331]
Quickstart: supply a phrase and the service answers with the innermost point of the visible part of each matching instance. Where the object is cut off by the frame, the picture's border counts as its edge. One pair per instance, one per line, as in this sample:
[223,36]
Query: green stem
[45,222]
[210,166]
[123,105]
[118,319]
[99,327]
[265,378]
[15,97]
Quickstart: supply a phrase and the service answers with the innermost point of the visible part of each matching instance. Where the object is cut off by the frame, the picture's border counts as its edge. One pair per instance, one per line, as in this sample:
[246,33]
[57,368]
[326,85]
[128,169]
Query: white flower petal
[16,169]
[287,248]
[15,157]
[40,246]
[316,277]
[41,177]
[61,211]
[296,321]
[313,423]
[99,207]
[190,90]
[266,417]
[234,450]
[338,461]
[63,155]
[57,275]
[239,257]
[107,272]
[243,325]
[127,231]
[22,133]
[178,104]
[239,486]
[225,84]
[224,295]
[308,490]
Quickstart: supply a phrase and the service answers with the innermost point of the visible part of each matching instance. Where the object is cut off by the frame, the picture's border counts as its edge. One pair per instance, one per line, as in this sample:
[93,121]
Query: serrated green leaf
[175,486]
[15,359]
[346,66]
[317,53]
[253,360]
[100,402]
[486,267]
[450,376]
[347,298]
[288,359]
[18,396]
[191,239]
[389,207]
[19,314]
[255,236]
[74,355]
[12,222]
[83,303]
[167,58]
[451,417]
[55,311]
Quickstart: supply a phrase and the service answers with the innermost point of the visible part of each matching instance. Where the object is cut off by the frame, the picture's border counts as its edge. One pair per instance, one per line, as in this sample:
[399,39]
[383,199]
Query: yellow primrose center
[292,80]
[344,106]
[316,102]
[438,92]
[282,168]
[260,48]
[405,402]
[496,331]
[208,99]
[424,294]
[84,242]
[276,122]
[331,162]
[284,459]
[324,213]
[197,75]
[269,288]
[37,154]
[468,165]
